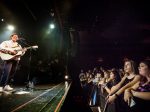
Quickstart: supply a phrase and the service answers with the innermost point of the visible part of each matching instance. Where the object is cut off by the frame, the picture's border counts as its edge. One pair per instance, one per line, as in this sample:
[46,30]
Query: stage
[42,98]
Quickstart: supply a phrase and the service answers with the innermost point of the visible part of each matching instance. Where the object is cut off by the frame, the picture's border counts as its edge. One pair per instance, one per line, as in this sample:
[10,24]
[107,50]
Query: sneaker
[1,89]
[8,88]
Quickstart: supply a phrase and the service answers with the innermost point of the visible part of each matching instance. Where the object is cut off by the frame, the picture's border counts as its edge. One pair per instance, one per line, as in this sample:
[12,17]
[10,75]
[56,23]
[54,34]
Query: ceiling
[106,18]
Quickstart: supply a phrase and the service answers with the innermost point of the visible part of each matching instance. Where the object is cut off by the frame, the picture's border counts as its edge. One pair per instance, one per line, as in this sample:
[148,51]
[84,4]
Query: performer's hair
[13,34]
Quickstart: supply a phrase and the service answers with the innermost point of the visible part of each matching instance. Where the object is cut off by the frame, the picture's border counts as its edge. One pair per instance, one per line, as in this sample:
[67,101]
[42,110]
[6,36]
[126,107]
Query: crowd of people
[118,90]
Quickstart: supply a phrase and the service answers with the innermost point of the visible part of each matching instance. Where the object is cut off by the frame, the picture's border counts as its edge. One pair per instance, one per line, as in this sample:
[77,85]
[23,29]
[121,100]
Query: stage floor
[43,98]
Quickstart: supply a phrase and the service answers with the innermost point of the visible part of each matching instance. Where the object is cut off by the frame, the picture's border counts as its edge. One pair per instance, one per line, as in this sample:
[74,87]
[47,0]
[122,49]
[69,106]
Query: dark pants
[9,69]
[141,105]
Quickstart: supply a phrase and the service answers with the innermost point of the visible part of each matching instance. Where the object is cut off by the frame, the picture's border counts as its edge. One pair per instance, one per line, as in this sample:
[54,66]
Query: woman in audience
[138,96]
[112,81]
[104,80]
[129,79]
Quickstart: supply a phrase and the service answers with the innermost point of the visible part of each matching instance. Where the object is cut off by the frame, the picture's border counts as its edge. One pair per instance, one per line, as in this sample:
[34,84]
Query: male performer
[13,51]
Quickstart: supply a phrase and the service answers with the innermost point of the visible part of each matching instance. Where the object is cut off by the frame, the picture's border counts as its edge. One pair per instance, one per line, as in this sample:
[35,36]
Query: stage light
[66,77]
[52,26]
[2,20]
[10,27]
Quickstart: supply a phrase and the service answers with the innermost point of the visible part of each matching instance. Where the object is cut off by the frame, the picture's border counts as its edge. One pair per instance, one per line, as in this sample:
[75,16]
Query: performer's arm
[4,46]
[23,50]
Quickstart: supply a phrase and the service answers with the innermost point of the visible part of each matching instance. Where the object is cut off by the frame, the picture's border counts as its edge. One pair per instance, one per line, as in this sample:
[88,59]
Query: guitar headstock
[34,47]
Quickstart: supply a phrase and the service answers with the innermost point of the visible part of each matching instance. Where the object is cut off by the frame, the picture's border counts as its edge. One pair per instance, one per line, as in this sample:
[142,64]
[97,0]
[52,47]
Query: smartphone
[132,103]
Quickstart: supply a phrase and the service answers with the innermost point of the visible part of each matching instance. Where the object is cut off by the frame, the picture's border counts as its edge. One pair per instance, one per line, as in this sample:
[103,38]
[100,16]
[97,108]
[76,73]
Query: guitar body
[8,55]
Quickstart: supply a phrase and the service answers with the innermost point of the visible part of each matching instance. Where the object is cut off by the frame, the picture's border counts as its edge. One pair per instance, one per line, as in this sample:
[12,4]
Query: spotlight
[52,26]
[2,20]
[10,27]
[66,77]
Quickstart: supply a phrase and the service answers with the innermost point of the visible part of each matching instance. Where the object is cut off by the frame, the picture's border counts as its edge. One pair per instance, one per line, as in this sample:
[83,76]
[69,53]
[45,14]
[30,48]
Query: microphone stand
[29,84]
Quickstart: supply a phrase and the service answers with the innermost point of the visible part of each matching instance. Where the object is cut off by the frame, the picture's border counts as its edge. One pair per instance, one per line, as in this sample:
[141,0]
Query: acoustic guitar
[9,54]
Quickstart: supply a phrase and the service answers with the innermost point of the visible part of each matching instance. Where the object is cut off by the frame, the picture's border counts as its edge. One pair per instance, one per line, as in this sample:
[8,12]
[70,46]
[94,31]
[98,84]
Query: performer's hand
[13,52]
[24,49]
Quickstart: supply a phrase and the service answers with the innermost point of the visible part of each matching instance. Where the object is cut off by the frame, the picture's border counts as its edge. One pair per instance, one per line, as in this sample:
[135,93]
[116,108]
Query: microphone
[21,38]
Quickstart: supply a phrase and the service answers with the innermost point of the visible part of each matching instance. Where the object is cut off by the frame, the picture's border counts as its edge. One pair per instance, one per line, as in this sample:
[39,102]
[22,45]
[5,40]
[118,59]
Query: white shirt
[10,45]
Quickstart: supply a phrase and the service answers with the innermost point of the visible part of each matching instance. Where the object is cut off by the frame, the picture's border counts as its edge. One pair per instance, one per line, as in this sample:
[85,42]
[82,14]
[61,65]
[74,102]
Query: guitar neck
[28,47]
[25,47]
